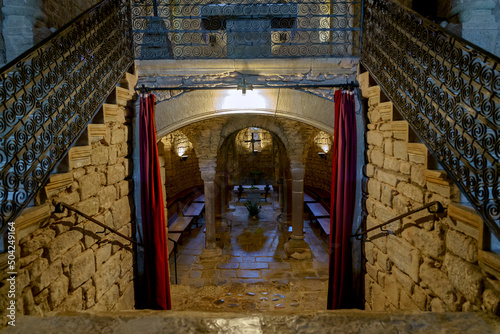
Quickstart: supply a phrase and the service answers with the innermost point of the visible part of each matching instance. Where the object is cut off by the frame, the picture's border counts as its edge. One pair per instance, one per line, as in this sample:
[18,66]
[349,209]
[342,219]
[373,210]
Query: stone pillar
[208,176]
[19,25]
[478,24]
[296,247]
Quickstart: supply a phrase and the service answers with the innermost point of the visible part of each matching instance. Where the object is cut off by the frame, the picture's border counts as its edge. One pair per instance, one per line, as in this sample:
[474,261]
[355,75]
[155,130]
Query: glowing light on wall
[180,151]
[325,148]
[233,100]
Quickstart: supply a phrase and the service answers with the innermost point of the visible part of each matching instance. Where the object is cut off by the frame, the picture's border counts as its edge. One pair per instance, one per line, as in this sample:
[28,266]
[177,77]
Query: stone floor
[252,274]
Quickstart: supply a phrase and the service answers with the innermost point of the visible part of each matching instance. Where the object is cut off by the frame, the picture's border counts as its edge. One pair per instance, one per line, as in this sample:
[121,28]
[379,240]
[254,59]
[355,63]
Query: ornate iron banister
[50,93]
[183,29]
[447,89]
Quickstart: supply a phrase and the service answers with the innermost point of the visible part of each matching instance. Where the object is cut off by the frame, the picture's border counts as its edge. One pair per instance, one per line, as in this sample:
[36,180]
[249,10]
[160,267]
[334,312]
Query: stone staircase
[78,156]
[422,181]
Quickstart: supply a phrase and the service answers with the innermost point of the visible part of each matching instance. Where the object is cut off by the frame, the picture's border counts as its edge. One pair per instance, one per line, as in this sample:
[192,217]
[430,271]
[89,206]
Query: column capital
[298,173]
[207,169]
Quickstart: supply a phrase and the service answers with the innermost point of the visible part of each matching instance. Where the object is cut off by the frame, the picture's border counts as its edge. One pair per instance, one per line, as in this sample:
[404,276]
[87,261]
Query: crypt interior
[247,127]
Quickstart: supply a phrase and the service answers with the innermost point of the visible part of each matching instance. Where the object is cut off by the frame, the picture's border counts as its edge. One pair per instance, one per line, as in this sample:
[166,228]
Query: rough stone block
[419,297]
[24,261]
[36,240]
[384,262]
[491,301]
[100,155]
[418,174]
[391,178]
[462,245]
[38,267]
[392,164]
[69,255]
[377,237]
[440,285]
[107,196]
[117,136]
[121,211]
[374,188]
[102,254]
[108,300]
[372,271]
[106,276]
[89,185]
[377,157]
[379,301]
[73,303]
[404,280]
[411,191]
[401,204]
[90,206]
[465,277]
[404,256]
[429,242]
[124,188]
[58,291]
[374,138]
[113,155]
[406,303]
[369,253]
[405,167]
[48,276]
[127,300]
[388,147]
[82,268]
[383,213]
[388,194]
[400,150]
[392,290]
[115,173]
[62,243]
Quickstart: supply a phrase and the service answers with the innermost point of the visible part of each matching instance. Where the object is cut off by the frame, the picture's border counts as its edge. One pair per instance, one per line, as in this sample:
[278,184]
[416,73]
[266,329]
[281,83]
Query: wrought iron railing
[50,93]
[447,89]
[183,29]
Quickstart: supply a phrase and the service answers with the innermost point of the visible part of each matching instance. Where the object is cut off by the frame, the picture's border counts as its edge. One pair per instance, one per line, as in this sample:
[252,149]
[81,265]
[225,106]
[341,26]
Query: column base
[297,249]
[211,253]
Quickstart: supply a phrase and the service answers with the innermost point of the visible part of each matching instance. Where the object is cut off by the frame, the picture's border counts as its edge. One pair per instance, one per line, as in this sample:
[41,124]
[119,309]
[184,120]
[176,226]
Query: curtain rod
[144,89]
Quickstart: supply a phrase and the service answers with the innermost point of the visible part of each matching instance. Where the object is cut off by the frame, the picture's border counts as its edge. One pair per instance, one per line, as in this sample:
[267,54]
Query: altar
[253,193]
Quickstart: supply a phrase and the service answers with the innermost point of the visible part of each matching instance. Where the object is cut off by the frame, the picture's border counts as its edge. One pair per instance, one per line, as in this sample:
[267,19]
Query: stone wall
[178,175]
[427,262]
[318,169]
[66,263]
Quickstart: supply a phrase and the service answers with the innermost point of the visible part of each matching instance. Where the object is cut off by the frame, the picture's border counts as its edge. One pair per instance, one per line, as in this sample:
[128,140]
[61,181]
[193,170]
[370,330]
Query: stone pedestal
[297,249]
[478,24]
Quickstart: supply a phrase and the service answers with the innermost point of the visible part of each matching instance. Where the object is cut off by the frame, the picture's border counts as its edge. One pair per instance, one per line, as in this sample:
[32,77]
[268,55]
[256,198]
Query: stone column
[208,176]
[478,24]
[296,247]
[19,25]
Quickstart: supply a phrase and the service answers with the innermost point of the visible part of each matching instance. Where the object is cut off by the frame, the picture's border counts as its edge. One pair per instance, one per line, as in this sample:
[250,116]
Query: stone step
[110,112]
[400,130]
[386,110]
[128,81]
[364,83]
[31,218]
[123,95]
[323,321]
[438,177]
[57,183]
[465,219]
[79,156]
[417,153]
[98,132]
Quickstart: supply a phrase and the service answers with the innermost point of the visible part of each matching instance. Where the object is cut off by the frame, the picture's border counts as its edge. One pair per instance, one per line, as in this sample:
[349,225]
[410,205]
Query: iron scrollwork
[185,29]
[50,93]
[447,90]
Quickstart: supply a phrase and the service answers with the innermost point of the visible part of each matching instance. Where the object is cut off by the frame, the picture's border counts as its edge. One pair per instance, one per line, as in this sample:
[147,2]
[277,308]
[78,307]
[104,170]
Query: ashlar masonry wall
[64,261]
[427,262]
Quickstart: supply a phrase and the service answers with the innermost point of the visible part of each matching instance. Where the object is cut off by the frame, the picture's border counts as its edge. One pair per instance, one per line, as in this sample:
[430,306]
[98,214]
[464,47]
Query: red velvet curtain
[153,214]
[340,292]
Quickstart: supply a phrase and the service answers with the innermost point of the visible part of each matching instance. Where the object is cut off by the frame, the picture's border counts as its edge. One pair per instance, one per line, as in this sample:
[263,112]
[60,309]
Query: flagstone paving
[252,274]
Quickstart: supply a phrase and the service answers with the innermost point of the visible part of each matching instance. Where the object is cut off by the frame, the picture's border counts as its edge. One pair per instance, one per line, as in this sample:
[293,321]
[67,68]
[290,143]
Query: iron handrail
[439,209]
[60,209]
